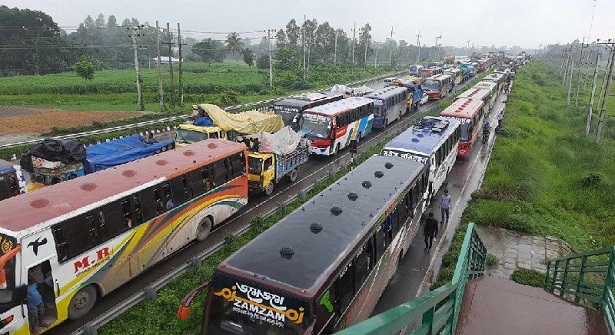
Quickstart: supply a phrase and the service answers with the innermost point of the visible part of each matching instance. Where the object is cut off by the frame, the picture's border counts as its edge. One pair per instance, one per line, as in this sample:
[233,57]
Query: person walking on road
[445,206]
[430,231]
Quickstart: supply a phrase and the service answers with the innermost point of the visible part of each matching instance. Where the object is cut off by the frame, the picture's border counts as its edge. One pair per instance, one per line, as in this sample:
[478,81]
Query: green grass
[113,90]
[528,277]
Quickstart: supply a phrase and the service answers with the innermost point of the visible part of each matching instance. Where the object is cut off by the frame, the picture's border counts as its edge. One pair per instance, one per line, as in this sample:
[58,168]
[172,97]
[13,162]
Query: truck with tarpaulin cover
[278,157]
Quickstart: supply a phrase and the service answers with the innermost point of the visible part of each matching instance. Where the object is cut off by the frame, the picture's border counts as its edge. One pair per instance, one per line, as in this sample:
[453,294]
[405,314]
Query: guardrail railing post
[548,282]
[428,319]
[565,278]
[608,282]
[577,298]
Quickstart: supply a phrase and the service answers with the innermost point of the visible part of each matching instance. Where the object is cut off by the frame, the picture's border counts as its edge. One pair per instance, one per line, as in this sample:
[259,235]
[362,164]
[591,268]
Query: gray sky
[527,23]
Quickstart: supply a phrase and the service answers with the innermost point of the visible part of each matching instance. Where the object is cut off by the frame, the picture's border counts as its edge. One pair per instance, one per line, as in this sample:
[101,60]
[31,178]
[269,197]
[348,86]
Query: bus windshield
[431,85]
[189,136]
[466,130]
[234,307]
[316,125]
[287,113]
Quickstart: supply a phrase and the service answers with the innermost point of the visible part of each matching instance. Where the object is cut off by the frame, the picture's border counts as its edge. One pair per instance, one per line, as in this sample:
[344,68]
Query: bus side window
[178,191]
[158,200]
[102,225]
[207,178]
[238,163]
[344,289]
[167,196]
[115,218]
[138,213]
[188,194]
[148,204]
[61,245]
[219,173]
[228,169]
[196,183]
[94,236]
[127,212]
[362,265]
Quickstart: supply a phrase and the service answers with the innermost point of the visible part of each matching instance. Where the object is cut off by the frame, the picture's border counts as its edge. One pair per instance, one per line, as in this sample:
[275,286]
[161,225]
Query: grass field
[115,90]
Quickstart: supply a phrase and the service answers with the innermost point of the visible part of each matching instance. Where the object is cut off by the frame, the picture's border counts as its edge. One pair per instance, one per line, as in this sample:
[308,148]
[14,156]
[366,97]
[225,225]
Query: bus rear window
[237,307]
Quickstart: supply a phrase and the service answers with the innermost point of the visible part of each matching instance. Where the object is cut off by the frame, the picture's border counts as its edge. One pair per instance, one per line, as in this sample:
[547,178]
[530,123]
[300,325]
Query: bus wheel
[82,302]
[337,149]
[204,229]
[292,176]
[269,189]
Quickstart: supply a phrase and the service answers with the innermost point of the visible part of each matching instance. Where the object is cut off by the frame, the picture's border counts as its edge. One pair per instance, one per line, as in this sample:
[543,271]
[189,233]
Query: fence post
[564,279]
[428,319]
[581,277]
[608,281]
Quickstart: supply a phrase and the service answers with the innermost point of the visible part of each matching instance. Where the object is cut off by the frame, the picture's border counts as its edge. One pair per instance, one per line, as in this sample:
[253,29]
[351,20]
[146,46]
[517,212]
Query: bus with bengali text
[291,108]
[79,240]
[471,113]
[324,266]
[331,127]
[438,86]
[432,141]
[390,104]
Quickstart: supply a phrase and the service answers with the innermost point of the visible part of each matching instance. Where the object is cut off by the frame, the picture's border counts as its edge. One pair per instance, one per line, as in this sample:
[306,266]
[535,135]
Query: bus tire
[292,176]
[204,229]
[269,189]
[82,302]
[336,150]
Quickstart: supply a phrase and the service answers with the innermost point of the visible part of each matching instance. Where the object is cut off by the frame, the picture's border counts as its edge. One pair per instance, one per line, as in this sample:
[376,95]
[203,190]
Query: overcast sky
[526,23]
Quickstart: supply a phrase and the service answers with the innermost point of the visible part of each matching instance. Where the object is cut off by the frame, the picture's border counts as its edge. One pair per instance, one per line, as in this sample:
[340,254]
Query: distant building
[165,60]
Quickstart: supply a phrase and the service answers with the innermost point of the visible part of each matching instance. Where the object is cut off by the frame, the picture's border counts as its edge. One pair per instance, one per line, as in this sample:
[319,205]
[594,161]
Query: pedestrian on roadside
[36,307]
[445,206]
[430,231]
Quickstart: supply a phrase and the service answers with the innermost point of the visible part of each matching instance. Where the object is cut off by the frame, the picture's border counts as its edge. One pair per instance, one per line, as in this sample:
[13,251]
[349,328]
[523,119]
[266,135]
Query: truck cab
[266,169]
[189,133]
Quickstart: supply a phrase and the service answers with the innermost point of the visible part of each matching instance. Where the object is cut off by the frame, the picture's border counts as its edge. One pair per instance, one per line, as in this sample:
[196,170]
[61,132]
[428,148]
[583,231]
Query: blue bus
[432,141]
[390,103]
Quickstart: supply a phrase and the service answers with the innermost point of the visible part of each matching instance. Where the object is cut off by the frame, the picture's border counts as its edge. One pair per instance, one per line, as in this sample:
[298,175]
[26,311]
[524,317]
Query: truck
[415,94]
[278,157]
[12,180]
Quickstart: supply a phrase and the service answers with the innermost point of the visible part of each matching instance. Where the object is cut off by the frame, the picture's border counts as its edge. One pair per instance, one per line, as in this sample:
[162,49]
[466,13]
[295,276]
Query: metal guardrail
[173,118]
[587,279]
[424,309]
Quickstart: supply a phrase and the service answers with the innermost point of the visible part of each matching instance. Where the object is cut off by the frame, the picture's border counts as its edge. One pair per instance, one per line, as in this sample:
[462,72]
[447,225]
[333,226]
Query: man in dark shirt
[430,231]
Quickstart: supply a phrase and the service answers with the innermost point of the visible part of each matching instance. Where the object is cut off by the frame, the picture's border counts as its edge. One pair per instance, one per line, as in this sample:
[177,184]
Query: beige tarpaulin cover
[249,122]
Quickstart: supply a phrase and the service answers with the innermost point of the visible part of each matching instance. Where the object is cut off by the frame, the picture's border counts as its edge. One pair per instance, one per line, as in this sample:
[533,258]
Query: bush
[528,277]
[492,260]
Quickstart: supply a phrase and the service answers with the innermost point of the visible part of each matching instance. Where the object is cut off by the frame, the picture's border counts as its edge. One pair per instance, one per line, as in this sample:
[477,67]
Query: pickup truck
[267,169]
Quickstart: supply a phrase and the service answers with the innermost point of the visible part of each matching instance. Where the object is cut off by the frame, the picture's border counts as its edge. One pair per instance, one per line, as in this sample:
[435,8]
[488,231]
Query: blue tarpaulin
[105,155]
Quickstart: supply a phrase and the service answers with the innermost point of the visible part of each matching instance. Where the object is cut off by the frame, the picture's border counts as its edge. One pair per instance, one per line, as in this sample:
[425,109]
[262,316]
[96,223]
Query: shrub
[492,260]
[528,277]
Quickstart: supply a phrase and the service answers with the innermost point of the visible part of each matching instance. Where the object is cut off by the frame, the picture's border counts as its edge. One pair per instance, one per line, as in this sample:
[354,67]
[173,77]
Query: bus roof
[439,77]
[424,136]
[58,201]
[463,108]
[343,218]
[474,93]
[334,108]
[386,92]
[305,99]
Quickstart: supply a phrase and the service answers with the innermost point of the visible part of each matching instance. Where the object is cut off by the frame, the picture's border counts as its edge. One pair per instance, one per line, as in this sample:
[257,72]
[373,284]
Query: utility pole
[591,99]
[566,66]
[170,43]
[303,42]
[437,48]
[335,51]
[576,99]
[418,43]
[391,53]
[376,58]
[365,56]
[270,62]
[570,82]
[605,94]
[354,34]
[159,65]
[133,35]
[180,72]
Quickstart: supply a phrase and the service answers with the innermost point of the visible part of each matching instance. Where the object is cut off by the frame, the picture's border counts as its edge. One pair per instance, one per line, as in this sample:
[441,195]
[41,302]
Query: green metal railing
[435,312]
[586,279]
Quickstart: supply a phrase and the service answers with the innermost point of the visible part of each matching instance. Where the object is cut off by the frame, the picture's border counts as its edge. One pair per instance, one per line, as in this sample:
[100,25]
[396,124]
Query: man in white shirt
[445,206]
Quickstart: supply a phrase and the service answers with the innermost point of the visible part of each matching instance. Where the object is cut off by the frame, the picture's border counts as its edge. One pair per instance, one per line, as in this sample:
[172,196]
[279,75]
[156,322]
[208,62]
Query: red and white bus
[477,93]
[471,113]
[438,86]
[430,72]
[81,239]
[331,127]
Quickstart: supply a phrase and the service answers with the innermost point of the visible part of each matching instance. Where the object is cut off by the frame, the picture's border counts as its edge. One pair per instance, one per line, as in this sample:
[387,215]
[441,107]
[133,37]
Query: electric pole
[376,58]
[159,65]
[591,99]
[570,82]
[180,72]
[354,26]
[418,43]
[335,51]
[605,94]
[270,62]
[365,56]
[303,42]
[170,43]
[391,53]
[576,99]
[133,35]
[437,48]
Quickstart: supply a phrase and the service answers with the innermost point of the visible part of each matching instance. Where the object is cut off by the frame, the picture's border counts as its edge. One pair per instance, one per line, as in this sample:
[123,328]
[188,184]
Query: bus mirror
[353,146]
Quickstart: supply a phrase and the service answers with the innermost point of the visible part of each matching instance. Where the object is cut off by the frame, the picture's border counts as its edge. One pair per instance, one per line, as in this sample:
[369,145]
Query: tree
[364,42]
[85,70]
[234,43]
[293,32]
[280,39]
[209,50]
[262,62]
[248,56]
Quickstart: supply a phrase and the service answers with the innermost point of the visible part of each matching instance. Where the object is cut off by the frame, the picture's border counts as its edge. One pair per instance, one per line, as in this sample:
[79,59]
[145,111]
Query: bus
[81,239]
[471,113]
[292,106]
[438,86]
[478,93]
[493,89]
[430,72]
[456,74]
[331,127]
[415,70]
[324,266]
[390,103]
[432,141]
